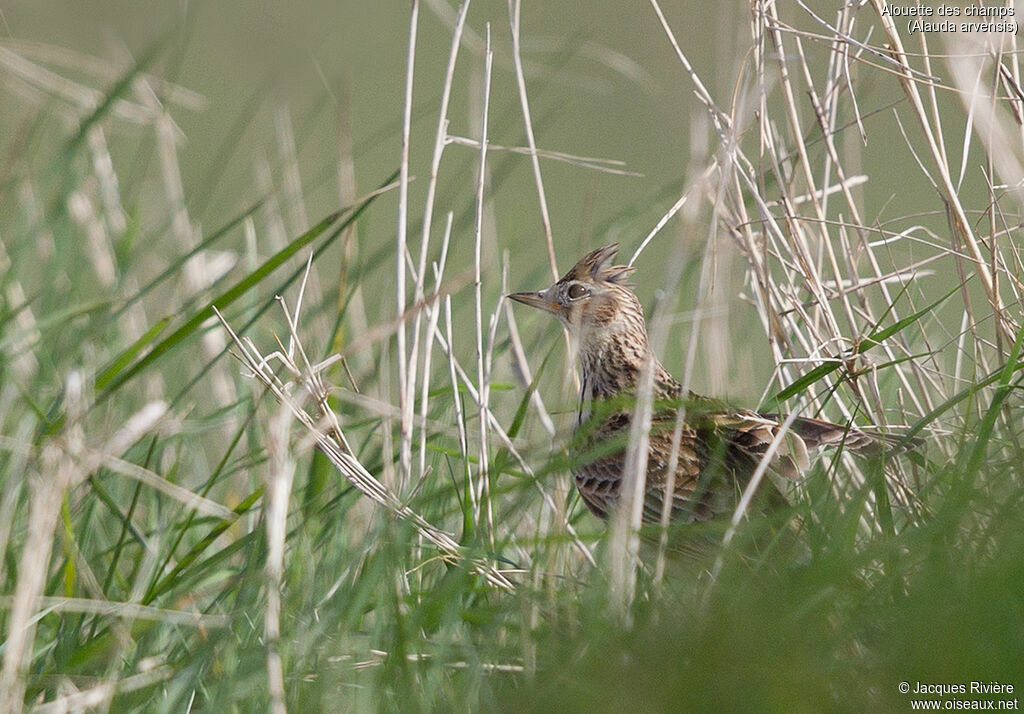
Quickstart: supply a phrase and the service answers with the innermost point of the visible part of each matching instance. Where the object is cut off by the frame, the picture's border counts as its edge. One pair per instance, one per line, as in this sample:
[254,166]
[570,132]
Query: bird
[719,447]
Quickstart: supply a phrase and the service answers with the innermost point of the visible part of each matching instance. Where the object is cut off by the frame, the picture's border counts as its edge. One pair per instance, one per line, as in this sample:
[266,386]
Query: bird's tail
[865,441]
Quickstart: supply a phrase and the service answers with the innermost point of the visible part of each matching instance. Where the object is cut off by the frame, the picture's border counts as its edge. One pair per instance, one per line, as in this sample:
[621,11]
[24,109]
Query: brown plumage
[719,448]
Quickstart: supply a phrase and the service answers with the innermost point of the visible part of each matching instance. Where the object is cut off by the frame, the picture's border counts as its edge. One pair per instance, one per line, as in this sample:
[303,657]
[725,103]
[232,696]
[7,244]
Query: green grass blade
[111,378]
[175,267]
[875,338]
[985,429]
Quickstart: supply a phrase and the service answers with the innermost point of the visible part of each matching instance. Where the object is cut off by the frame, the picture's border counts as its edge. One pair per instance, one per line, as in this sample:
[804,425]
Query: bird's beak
[541,300]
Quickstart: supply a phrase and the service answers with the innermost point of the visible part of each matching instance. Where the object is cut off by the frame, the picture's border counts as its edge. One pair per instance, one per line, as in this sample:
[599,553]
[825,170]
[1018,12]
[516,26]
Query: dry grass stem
[332,446]
[517,58]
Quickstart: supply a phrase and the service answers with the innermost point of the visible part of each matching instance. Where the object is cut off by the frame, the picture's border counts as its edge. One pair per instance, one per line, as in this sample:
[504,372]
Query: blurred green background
[603,82]
[938,598]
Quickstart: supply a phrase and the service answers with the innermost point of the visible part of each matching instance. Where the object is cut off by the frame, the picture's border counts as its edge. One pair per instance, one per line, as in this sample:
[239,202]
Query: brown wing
[749,436]
[693,498]
[699,493]
[719,451]
[752,434]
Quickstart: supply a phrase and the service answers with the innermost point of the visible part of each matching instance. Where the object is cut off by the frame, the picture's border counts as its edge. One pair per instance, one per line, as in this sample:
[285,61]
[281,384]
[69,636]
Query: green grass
[879,574]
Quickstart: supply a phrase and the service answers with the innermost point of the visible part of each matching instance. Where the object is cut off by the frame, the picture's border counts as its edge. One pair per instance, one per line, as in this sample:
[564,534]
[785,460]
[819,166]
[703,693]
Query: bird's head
[593,301]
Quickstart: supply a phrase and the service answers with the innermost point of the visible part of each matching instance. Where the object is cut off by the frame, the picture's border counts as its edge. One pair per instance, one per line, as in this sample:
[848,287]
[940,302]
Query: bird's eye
[576,291]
